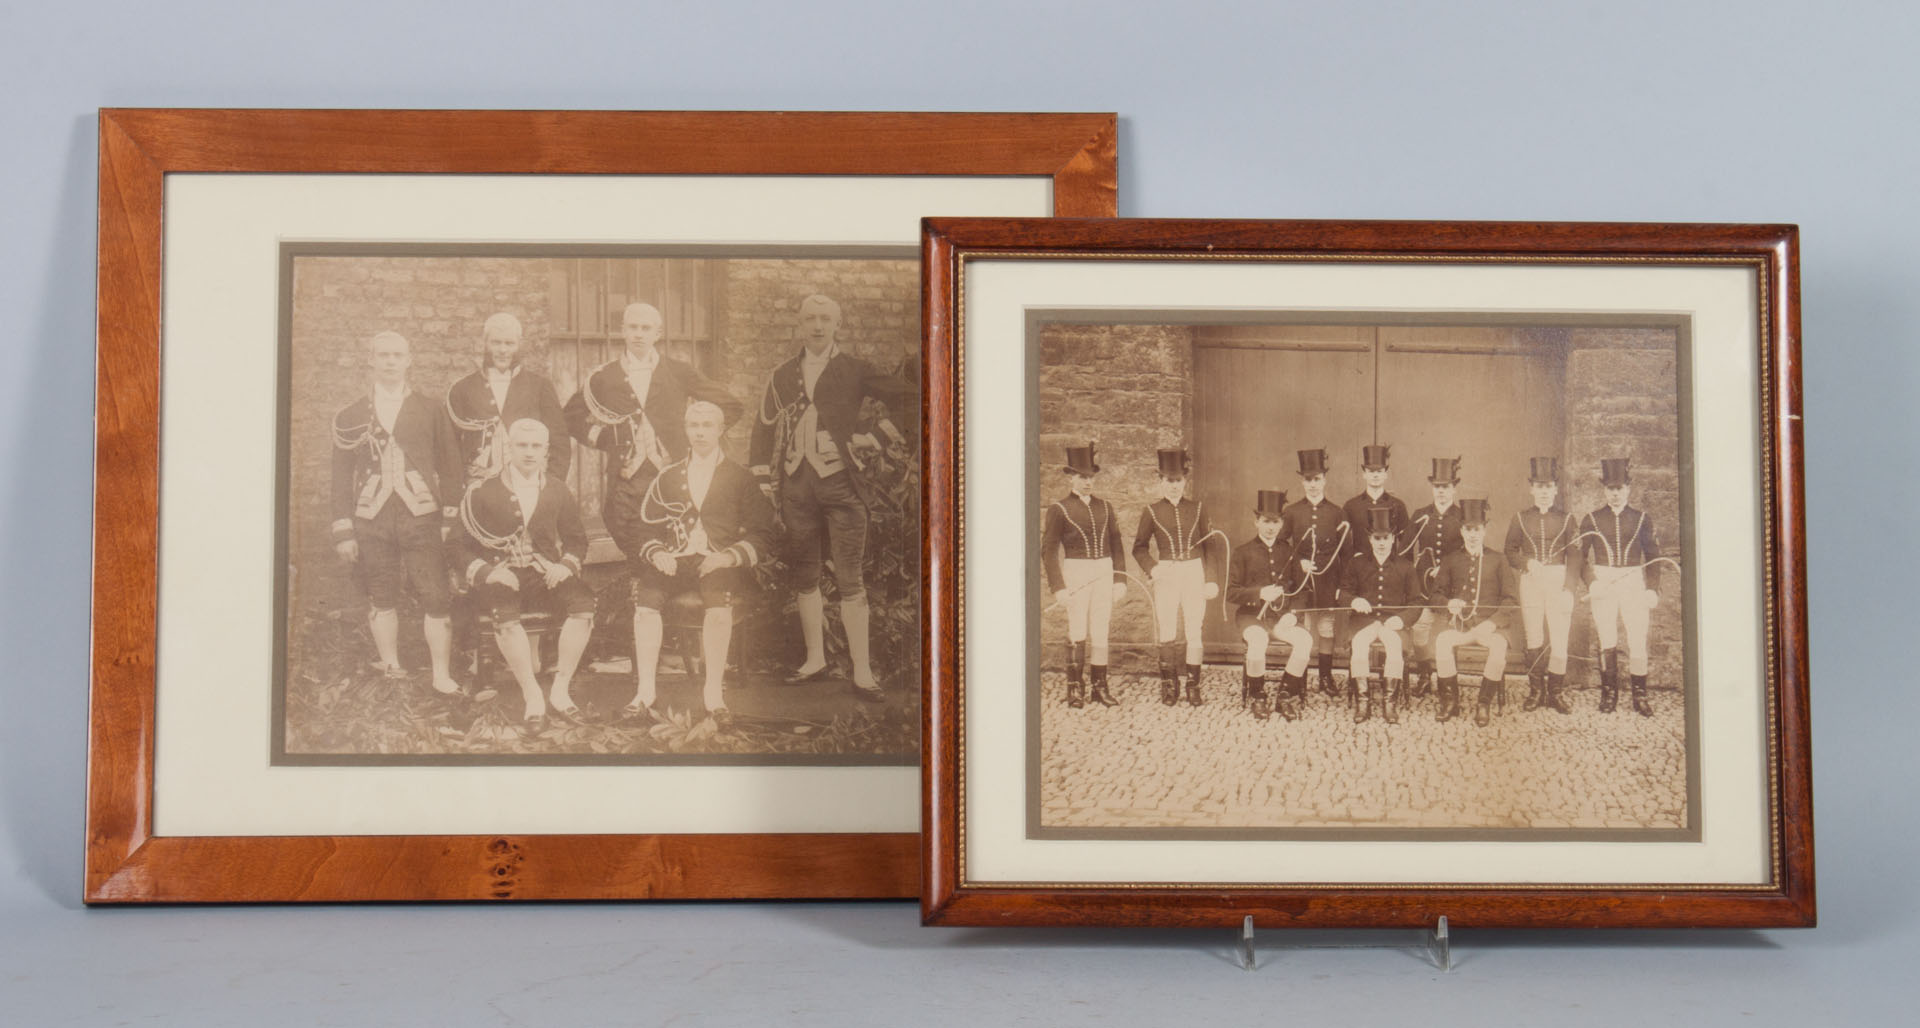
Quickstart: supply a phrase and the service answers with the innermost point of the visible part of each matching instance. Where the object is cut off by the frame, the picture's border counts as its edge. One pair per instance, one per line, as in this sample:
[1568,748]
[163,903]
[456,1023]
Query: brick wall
[1129,388]
[1622,389]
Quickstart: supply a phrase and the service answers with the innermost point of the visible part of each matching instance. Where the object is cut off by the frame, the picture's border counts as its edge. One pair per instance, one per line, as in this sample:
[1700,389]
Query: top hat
[1446,471]
[1080,460]
[1543,469]
[1269,503]
[1313,462]
[1613,472]
[1173,463]
[1379,521]
[1473,512]
[1373,457]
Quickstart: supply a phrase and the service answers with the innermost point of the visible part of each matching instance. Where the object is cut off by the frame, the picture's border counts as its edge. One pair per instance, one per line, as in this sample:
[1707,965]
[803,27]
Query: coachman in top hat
[1259,578]
[1373,472]
[1321,539]
[1177,527]
[1086,573]
[1479,592]
[1383,597]
[1433,533]
[1540,548]
[1618,551]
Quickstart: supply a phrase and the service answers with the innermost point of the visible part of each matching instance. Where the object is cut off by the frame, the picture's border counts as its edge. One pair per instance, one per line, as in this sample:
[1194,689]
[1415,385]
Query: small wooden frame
[1008,301]
[126,862]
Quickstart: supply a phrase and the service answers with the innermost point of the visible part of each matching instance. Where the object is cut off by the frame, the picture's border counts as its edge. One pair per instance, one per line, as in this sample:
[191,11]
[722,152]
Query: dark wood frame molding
[126,862]
[1773,250]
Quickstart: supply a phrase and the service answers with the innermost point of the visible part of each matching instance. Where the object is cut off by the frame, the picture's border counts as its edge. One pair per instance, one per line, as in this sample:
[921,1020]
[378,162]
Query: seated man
[702,525]
[1257,578]
[1382,596]
[524,543]
[1479,592]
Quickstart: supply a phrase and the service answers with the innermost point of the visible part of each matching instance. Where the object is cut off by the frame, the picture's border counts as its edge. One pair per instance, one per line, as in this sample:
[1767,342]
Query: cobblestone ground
[1144,765]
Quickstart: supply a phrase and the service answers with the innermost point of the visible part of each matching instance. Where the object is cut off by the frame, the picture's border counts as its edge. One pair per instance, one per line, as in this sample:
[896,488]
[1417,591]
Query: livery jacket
[1429,537]
[1320,533]
[1179,532]
[735,516]
[1484,580]
[429,461]
[843,384]
[1623,540]
[1547,538]
[480,426]
[494,530]
[1079,529]
[1392,588]
[1357,508]
[1253,567]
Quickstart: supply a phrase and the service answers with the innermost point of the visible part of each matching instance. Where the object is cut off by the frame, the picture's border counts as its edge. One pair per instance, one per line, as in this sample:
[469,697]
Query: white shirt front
[640,371]
[700,475]
[497,383]
[525,489]
[386,404]
[811,366]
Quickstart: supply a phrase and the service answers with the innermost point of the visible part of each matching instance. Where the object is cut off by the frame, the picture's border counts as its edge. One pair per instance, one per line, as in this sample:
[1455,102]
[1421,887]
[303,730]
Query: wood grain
[125,862]
[1788,901]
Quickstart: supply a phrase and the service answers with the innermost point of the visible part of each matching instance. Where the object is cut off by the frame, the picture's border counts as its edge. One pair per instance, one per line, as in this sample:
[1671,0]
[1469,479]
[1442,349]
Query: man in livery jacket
[1373,472]
[1619,556]
[522,545]
[1086,572]
[1433,532]
[1540,547]
[396,488]
[1178,528]
[1479,592]
[501,392]
[1383,597]
[1259,575]
[808,452]
[632,408]
[703,526]
[1321,538]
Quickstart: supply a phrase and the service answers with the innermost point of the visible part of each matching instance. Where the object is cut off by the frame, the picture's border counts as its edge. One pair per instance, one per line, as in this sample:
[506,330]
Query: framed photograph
[521,505]
[1350,574]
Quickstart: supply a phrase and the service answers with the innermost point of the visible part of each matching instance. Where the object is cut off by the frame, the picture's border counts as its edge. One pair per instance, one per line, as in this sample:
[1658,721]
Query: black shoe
[1449,701]
[1609,680]
[1097,691]
[1396,695]
[1076,689]
[1555,700]
[1536,682]
[1256,688]
[796,677]
[1483,710]
[1640,704]
[1169,687]
[866,695]
[1193,684]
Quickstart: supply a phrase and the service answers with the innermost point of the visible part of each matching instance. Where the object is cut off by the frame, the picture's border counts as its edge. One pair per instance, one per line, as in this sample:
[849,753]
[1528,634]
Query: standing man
[501,392]
[1433,533]
[1257,579]
[1617,551]
[633,409]
[1321,537]
[1479,592]
[1373,472]
[808,453]
[1086,573]
[1382,597]
[396,489]
[1540,548]
[524,543]
[1177,527]
[703,524]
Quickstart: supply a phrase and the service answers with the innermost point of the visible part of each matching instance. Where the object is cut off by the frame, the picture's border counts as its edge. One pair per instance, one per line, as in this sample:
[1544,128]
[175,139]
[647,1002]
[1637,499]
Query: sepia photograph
[599,505]
[1309,574]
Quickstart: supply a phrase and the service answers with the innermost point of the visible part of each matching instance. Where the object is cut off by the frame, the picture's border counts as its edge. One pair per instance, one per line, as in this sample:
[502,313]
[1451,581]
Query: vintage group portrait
[615,505]
[1307,573]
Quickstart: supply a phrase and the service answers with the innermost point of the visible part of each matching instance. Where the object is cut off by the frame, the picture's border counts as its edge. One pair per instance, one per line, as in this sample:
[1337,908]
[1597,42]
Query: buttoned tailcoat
[1077,529]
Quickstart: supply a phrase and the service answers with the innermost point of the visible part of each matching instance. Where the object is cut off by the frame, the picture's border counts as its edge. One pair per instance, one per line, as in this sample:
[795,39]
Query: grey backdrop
[1663,111]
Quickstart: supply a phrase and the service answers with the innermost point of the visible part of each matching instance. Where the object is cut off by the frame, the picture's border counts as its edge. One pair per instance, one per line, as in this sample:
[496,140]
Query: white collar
[647,363]
[833,350]
[695,460]
[384,394]
[515,481]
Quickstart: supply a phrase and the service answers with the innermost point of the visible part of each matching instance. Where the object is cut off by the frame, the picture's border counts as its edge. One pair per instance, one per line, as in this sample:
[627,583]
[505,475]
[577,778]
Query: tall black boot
[1193,684]
[1449,699]
[1323,669]
[1362,706]
[1640,705]
[1169,678]
[1256,687]
[1609,680]
[1393,700]
[1483,711]
[1555,683]
[1097,675]
[1420,677]
[1076,687]
[1536,682]
[1293,690]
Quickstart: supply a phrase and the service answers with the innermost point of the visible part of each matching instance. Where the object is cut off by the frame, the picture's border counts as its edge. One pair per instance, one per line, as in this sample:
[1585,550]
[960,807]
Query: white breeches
[1300,648]
[1089,603]
[1619,595]
[1179,595]
[1546,609]
[1484,634]
[1358,659]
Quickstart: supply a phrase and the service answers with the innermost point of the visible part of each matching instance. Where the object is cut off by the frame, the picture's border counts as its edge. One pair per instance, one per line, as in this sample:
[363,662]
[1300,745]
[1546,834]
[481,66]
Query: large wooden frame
[126,862]
[957,256]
